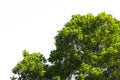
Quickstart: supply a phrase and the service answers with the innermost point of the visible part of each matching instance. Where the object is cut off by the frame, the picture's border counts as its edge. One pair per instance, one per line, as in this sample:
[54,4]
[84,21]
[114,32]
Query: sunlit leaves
[31,67]
[89,46]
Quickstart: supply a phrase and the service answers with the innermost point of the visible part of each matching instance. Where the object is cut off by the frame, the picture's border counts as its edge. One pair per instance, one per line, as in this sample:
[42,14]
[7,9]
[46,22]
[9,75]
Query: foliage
[87,48]
[31,67]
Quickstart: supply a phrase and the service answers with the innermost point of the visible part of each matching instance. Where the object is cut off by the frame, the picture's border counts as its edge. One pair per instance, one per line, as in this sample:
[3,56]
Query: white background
[33,24]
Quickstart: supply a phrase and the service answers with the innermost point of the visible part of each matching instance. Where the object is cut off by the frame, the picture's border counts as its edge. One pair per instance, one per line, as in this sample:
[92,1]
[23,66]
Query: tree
[30,68]
[88,48]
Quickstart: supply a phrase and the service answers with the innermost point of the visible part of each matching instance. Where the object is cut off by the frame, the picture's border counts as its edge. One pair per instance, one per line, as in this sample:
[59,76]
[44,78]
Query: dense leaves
[31,67]
[87,48]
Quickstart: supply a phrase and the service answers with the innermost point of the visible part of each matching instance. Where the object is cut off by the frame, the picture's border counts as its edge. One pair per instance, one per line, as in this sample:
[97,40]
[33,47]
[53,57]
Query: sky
[33,24]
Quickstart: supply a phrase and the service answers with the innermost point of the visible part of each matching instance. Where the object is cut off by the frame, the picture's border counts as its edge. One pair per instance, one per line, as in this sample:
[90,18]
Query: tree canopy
[30,68]
[87,48]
